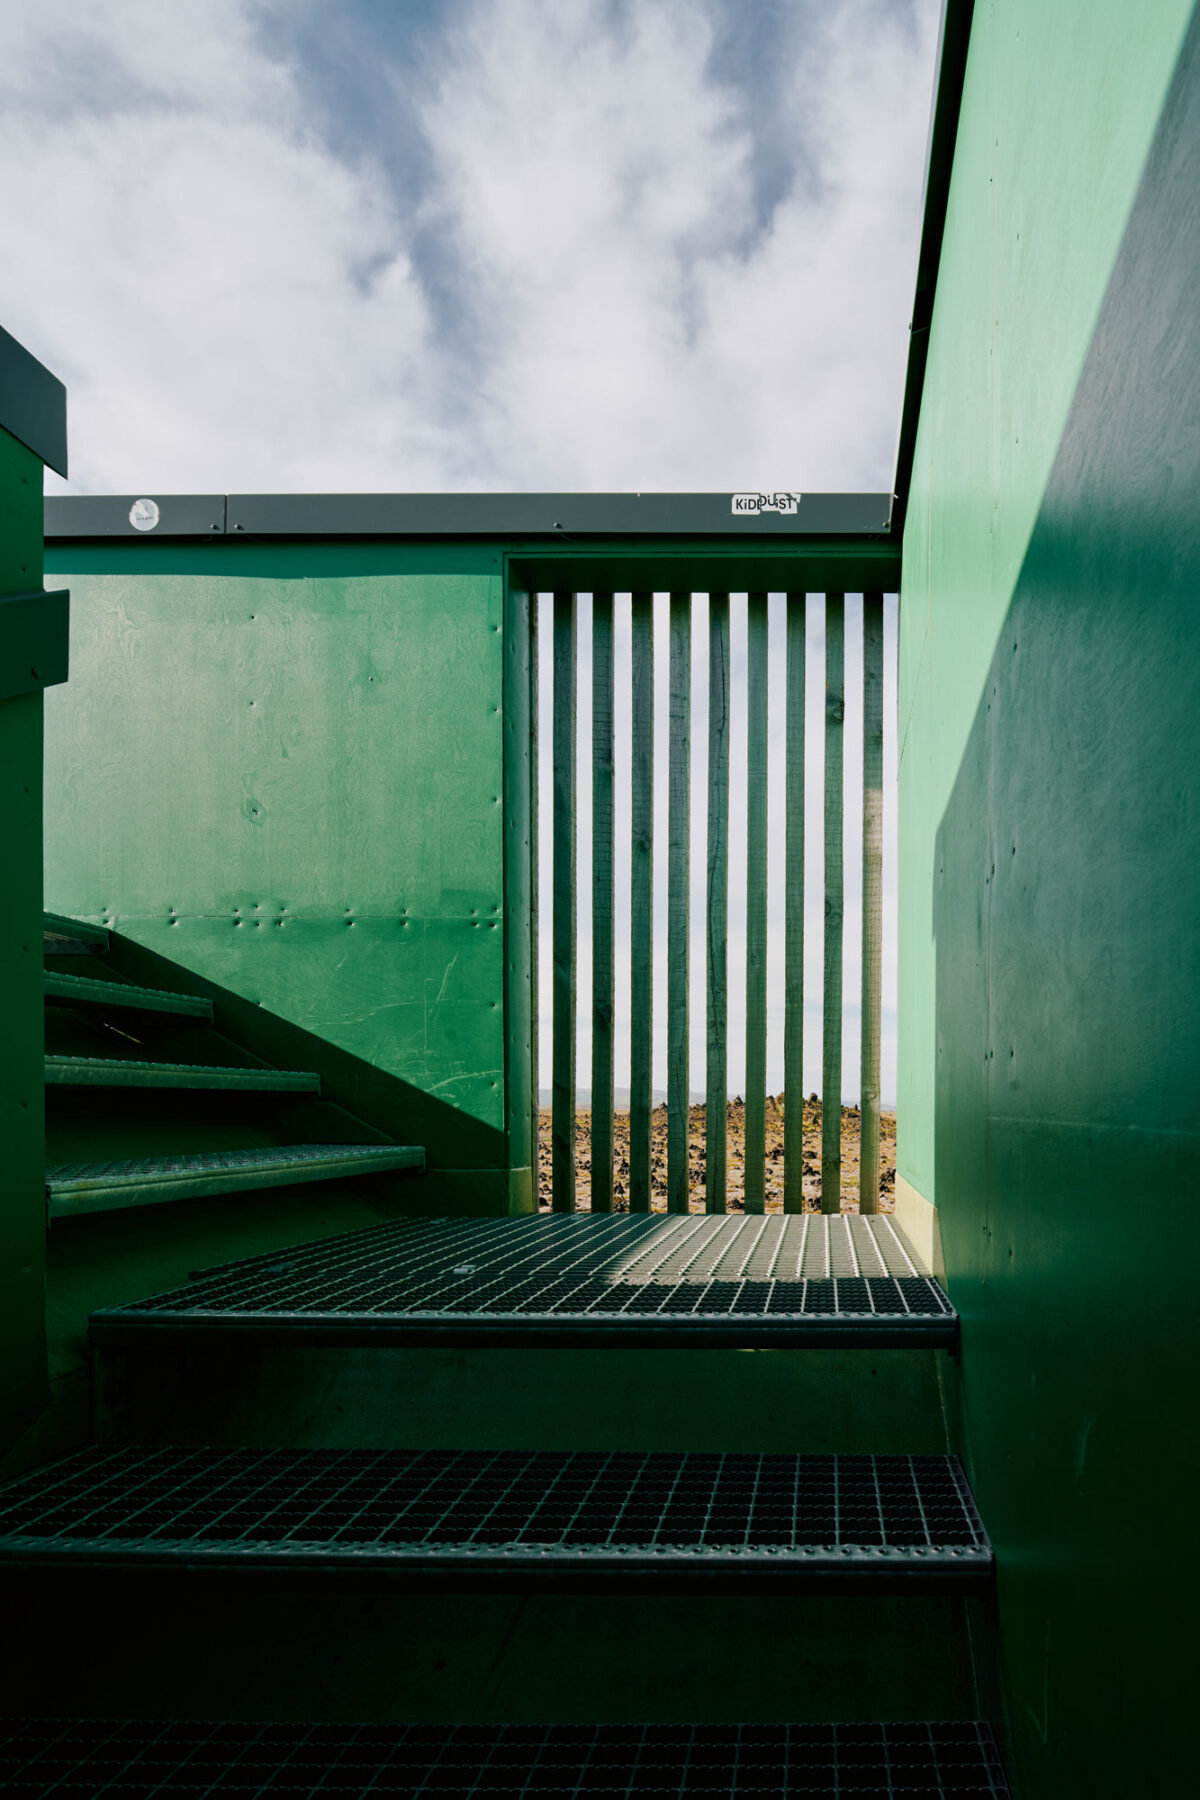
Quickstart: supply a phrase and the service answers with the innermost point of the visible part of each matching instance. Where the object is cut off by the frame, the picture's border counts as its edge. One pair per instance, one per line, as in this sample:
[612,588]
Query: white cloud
[230,305]
[237,301]
[597,186]
[235,304]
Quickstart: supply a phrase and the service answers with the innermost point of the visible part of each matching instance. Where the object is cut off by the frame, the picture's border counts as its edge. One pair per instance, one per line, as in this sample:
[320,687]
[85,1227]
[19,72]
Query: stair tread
[107,1071]
[648,1516]
[83,1187]
[84,991]
[577,1278]
[505,1761]
[65,932]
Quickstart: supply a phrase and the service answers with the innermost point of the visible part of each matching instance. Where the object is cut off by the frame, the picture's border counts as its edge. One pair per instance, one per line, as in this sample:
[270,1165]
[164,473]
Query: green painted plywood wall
[23,1388]
[281,765]
[1050,836]
[1059,107]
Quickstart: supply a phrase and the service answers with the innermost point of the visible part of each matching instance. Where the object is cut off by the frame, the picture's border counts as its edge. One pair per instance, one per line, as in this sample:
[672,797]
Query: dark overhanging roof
[33,404]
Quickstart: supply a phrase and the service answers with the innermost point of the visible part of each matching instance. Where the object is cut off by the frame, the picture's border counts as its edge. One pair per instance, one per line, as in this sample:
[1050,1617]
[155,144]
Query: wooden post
[535,947]
[678,903]
[793,914]
[754,1173]
[520,986]
[641,904]
[831,1075]
[718,880]
[872,899]
[602,903]
[563,1100]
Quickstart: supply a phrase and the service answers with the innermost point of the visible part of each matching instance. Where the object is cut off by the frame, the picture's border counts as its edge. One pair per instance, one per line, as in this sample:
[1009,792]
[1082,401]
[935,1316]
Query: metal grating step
[74,1188]
[656,1518]
[79,990]
[72,937]
[556,1762]
[104,1071]
[582,1279]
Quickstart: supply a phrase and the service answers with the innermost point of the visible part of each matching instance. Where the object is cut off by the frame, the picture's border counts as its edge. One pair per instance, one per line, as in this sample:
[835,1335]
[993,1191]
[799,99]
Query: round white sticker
[143,515]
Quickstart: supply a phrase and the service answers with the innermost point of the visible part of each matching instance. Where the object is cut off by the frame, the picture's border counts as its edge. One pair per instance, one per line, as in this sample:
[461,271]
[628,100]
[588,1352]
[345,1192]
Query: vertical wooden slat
[518,974]
[756,904]
[678,902]
[534,938]
[602,902]
[831,1073]
[793,913]
[872,898]
[641,902]
[563,1101]
[718,881]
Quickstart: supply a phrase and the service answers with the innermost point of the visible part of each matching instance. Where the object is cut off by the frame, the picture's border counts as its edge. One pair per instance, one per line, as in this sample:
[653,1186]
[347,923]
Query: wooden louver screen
[642,998]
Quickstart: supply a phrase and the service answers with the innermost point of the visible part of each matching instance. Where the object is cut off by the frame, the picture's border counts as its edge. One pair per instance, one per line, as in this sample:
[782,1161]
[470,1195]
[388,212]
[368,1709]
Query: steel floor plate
[120,1760]
[651,1517]
[579,1278]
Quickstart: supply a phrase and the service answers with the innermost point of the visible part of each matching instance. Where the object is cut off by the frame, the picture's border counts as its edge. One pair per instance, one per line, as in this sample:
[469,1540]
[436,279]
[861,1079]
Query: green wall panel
[282,766]
[23,1389]
[1051,838]
[1059,108]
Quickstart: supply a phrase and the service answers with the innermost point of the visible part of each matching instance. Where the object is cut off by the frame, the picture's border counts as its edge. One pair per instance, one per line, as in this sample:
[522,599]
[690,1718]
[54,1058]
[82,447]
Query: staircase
[534,1495]
[92,1025]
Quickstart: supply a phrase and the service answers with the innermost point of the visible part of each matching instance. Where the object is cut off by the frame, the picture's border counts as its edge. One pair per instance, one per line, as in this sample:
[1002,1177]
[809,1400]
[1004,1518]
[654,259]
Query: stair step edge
[348,1330]
[946,1758]
[80,990]
[103,1071]
[522,1516]
[79,1188]
[558,1281]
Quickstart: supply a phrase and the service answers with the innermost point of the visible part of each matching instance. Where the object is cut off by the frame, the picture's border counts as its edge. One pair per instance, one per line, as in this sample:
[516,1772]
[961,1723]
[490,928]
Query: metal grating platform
[91,1757]
[651,1517]
[76,1188]
[575,1279]
[82,990]
[105,1071]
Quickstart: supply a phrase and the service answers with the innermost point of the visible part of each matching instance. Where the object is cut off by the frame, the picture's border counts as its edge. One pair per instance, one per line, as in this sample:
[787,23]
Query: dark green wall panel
[472,1658]
[1061,906]
[282,766]
[23,1388]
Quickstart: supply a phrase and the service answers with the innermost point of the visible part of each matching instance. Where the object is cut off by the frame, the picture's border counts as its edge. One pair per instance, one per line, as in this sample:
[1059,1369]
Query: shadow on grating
[614,1273]
[434,1509]
[121,1760]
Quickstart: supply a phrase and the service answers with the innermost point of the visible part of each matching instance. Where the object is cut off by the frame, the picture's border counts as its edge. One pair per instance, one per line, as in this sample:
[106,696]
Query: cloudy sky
[468,244]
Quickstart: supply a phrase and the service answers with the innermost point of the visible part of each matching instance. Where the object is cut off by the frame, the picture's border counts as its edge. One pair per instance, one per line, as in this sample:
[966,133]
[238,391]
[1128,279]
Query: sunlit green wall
[1050,835]
[1059,108]
[281,765]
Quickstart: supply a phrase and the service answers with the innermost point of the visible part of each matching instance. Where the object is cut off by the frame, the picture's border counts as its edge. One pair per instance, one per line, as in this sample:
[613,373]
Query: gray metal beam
[112,515]
[558,518]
